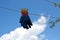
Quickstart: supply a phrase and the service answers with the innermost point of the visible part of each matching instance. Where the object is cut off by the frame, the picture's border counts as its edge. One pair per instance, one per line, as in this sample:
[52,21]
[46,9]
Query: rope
[9,9]
[49,1]
[19,11]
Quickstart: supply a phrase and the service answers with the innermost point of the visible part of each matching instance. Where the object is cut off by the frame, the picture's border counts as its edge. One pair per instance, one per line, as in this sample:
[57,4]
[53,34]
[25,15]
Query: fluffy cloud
[33,33]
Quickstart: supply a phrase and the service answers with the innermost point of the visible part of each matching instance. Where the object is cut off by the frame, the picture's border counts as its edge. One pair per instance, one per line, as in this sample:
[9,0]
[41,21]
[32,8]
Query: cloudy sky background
[9,20]
[34,33]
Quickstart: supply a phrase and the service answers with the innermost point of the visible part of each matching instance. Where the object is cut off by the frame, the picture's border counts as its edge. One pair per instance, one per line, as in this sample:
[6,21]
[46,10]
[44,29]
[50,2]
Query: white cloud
[46,39]
[30,34]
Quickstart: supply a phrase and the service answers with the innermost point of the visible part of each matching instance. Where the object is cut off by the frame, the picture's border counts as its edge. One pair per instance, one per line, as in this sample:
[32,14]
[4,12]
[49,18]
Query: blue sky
[9,20]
